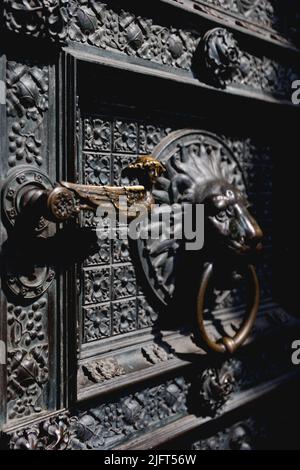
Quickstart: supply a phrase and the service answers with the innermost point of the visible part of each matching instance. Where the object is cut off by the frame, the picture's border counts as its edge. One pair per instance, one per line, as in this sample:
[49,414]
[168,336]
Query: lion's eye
[221,216]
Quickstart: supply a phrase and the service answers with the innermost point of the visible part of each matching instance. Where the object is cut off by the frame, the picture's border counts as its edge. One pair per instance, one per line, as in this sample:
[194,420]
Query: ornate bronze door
[116,342]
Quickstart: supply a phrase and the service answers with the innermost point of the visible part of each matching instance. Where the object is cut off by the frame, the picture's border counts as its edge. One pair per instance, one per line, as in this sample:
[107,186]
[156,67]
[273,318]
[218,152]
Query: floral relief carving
[150,136]
[24,145]
[115,29]
[156,354]
[87,17]
[121,252]
[91,22]
[96,285]
[132,410]
[110,423]
[97,322]
[27,89]
[27,103]
[101,256]
[116,278]
[97,317]
[38,18]
[27,369]
[53,434]
[125,137]
[27,376]
[102,369]
[96,24]
[262,11]
[97,134]
[265,75]
[124,316]
[26,325]
[124,284]
[97,169]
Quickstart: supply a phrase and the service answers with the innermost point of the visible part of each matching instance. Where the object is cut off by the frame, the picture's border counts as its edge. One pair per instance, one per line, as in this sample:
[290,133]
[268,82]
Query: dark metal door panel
[28,312]
[91,350]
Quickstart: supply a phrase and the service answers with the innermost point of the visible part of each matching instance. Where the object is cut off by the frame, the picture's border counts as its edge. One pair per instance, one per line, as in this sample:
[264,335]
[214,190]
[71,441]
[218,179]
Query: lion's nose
[250,230]
[254,235]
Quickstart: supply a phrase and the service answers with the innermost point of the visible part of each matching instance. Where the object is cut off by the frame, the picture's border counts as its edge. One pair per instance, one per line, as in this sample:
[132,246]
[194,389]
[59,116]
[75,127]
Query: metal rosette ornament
[24,278]
[190,158]
[221,56]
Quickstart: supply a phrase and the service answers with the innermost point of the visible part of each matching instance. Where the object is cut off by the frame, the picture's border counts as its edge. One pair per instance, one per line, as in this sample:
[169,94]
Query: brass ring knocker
[226,343]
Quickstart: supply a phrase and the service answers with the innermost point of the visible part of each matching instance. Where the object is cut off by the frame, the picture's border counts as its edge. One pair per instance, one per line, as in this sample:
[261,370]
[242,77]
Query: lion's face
[229,219]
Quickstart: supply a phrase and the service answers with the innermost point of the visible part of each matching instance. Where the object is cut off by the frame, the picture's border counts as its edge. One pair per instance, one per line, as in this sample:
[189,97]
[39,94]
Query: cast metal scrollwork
[216,387]
[39,18]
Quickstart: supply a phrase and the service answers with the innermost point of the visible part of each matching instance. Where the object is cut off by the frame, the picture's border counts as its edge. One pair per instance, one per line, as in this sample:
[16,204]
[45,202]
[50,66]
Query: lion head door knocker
[201,169]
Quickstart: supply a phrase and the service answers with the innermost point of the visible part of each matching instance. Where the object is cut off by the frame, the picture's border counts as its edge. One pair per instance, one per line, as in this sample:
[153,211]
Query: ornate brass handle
[228,344]
[68,199]
[28,191]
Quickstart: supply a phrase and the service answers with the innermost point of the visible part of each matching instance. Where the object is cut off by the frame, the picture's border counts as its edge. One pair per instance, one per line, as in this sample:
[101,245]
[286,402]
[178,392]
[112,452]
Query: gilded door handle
[226,343]
[68,199]
[30,200]
[29,192]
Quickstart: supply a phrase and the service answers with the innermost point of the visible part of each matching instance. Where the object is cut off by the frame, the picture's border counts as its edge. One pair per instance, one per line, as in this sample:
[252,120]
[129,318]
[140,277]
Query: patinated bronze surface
[112,343]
